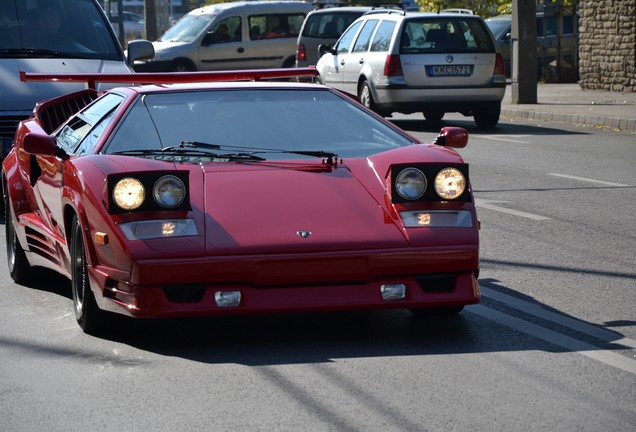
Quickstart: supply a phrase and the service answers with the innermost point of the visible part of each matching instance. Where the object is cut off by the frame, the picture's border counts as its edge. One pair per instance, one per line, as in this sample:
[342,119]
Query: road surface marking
[589,180]
[505,138]
[488,204]
[558,318]
[555,338]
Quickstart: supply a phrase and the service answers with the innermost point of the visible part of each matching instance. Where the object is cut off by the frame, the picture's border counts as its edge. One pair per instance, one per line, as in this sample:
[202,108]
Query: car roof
[219,7]
[328,10]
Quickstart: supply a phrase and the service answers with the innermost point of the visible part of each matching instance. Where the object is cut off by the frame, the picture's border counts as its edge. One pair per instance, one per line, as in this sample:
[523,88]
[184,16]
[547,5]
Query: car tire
[487,117]
[434,116]
[88,315]
[19,267]
[365,95]
[440,311]
[182,66]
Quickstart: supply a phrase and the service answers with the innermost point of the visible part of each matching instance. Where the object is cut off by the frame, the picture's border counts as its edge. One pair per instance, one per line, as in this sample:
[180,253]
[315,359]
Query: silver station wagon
[419,62]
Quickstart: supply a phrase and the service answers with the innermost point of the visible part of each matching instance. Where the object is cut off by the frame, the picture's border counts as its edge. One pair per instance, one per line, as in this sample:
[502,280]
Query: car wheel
[440,311]
[487,117]
[434,116]
[19,267]
[87,313]
[182,66]
[365,96]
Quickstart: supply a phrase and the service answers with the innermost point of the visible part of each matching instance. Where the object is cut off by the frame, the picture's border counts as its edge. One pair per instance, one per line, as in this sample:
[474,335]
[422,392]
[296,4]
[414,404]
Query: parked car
[419,62]
[323,26]
[53,36]
[209,198]
[236,35]
[134,25]
[547,40]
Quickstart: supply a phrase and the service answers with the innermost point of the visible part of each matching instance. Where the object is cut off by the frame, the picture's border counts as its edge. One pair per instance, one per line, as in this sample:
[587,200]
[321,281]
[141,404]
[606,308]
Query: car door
[356,60]
[222,47]
[77,137]
[333,75]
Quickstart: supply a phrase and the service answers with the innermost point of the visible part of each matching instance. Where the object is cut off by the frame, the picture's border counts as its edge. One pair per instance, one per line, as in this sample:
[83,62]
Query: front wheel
[19,267]
[182,66]
[88,315]
[434,116]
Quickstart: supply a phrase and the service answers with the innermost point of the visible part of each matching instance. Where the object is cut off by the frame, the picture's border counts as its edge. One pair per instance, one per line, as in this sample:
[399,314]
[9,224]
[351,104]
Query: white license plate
[449,70]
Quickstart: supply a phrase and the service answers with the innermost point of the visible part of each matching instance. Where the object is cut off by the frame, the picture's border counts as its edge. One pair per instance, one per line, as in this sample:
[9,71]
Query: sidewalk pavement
[569,103]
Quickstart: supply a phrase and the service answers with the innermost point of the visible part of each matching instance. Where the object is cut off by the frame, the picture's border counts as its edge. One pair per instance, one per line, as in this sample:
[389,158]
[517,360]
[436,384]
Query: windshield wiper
[182,150]
[38,52]
[330,158]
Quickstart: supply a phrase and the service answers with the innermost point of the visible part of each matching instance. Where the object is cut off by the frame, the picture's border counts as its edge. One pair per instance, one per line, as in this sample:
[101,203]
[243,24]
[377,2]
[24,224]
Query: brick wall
[607,45]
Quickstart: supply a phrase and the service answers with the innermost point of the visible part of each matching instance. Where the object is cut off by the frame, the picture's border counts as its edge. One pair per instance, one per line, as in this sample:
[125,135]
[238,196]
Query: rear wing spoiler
[172,77]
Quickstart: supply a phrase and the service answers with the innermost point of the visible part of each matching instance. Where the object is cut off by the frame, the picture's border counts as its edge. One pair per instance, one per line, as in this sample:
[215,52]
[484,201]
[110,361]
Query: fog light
[393,291]
[227,298]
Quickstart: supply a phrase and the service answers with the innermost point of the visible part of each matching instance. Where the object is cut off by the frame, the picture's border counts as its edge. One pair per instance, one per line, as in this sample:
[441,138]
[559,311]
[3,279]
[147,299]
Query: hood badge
[303,234]
[449,59]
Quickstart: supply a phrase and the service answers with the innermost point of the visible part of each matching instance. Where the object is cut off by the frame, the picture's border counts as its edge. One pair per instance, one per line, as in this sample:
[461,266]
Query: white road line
[505,138]
[488,204]
[557,318]
[555,338]
[589,180]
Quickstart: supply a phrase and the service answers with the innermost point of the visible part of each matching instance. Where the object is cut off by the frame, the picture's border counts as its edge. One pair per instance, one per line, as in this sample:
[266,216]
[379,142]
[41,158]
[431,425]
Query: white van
[53,36]
[237,35]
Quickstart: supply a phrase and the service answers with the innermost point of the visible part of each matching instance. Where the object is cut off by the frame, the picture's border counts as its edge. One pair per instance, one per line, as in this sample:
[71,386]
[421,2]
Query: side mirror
[42,144]
[324,49]
[449,136]
[140,50]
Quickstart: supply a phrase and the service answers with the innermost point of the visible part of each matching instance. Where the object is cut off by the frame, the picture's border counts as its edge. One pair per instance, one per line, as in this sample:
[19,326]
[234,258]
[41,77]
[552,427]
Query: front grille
[439,283]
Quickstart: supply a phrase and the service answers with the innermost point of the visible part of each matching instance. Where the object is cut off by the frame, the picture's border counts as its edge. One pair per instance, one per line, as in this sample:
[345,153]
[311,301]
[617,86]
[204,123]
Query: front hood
[22,97]
[286,211]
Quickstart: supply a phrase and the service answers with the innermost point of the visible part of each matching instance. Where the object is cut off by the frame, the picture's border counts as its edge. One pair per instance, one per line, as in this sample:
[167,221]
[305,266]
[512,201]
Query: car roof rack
[385,11]
[171,77]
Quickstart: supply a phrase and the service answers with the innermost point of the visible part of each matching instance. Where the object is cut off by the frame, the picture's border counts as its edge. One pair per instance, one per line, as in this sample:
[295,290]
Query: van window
[187,28]
[226,30]
[270,26]
[57,28]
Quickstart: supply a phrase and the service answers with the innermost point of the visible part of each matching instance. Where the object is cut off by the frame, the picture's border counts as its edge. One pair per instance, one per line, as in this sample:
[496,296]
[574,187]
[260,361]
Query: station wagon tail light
[129,193]
[301,55]
[393,66]
[450,183]
[500,66]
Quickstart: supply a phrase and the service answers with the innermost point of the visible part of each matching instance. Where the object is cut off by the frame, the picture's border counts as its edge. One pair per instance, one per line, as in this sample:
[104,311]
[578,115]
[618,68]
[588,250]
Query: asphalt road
[551,347]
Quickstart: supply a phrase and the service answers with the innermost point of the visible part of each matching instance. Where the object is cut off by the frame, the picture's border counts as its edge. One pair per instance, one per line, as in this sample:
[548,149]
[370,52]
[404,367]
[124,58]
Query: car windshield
[285,119]
[56,28]
[187,28]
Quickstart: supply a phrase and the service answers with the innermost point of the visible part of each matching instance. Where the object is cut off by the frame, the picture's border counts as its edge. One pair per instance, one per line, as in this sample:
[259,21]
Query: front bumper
[433,278]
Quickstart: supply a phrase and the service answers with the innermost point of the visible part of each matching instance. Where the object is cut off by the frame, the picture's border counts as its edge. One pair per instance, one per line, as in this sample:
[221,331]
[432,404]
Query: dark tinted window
[329,25]
[74,28]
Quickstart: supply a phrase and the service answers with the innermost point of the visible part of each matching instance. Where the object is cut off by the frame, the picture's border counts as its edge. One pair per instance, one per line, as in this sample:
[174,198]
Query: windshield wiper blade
[329,156]
[38,51]
[167,150]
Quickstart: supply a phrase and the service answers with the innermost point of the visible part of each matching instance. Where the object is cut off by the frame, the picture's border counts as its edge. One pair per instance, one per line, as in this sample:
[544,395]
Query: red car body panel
[248,218]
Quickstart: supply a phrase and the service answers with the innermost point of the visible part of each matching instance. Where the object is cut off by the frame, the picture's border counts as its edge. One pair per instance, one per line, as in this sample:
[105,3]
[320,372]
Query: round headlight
[450,183]
[129,193]
[169,191]
[410,183]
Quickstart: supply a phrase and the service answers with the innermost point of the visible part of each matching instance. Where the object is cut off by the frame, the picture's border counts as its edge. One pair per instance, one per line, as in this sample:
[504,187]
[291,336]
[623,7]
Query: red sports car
[227,193]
